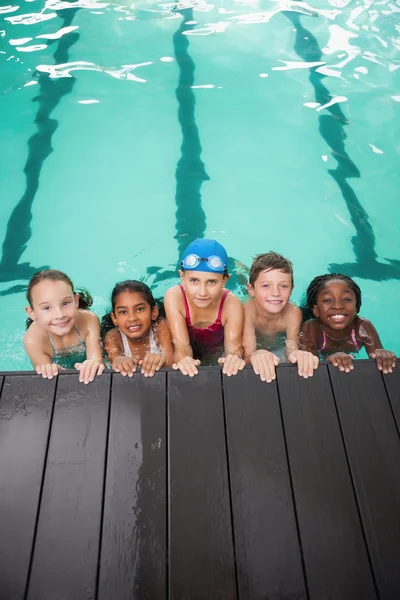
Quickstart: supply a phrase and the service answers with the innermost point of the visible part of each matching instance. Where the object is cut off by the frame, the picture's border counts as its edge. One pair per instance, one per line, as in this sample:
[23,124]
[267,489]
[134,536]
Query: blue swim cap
[205,255]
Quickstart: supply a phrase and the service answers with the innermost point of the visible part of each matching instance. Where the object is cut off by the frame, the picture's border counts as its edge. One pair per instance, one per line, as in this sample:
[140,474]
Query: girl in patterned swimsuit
[61,333]
[139,336]
[337,332]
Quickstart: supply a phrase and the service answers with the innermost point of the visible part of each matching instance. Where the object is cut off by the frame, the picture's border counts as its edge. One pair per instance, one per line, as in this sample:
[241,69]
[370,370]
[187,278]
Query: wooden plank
[334,550]
[25,414]
[267,545]
[392,384]
[67,544]
[133,550]
[373,448]
[201,560]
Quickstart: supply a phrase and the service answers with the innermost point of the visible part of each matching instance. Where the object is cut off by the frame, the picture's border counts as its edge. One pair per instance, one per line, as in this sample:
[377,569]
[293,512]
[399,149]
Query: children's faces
[203,288]
[54,306]
[272,290]
[133,315]
[336,305]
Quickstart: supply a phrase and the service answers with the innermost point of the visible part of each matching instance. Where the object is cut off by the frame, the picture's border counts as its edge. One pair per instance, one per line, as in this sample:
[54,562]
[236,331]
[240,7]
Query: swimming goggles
[215,263]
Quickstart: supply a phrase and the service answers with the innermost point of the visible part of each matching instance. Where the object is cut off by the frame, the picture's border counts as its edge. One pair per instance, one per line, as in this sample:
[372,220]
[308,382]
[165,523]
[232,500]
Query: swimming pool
[129,130]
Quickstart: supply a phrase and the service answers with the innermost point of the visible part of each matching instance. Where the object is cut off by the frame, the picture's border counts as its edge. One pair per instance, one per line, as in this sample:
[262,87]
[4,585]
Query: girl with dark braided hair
[337,332]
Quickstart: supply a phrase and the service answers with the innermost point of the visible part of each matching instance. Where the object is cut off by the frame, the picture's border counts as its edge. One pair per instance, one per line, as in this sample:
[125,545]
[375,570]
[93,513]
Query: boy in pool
[206,320]
[271,322]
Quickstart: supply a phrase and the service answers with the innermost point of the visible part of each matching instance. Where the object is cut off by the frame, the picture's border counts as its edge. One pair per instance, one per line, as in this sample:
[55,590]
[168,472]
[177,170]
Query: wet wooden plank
[67,544]
[373,448]
[25,414]
[201,563]
[335,554]
[392,384]
[267,545]
[133,552]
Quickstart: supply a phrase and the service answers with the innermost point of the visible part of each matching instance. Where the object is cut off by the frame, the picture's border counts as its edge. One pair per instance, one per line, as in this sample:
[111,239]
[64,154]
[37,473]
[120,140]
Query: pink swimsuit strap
[217,322]
[353,337]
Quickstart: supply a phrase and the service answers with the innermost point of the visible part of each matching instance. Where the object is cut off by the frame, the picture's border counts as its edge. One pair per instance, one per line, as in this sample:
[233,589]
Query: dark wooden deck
[205,489]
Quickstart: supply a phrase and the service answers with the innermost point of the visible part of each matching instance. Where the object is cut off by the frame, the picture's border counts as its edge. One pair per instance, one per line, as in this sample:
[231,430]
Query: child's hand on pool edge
[264,363]
[342,360]
[385,360]
[125,366]
[88,370]
[306,362]
[187,366]
[232,364]
[48,371]
[152,363]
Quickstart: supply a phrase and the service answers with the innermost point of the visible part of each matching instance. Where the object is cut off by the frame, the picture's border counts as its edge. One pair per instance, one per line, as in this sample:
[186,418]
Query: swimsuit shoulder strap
[324,339]
[78,334]
[354,338]
[52,343]
[188,321]
[221,306]
[154,349]
[127,350]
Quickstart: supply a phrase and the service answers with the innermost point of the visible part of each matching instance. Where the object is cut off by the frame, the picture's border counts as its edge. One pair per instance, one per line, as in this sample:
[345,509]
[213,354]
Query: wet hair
[318,283]
[133,286]
[85,299]
[268,262]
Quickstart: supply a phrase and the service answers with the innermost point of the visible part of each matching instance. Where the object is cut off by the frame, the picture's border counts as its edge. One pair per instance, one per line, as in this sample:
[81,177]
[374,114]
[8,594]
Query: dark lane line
[19,230]
[190,172]
[331,128]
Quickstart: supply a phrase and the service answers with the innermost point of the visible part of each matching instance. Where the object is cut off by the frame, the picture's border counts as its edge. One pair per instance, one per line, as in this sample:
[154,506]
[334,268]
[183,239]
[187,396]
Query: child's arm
[183,353]
[93,365]
[42,362]
[306,361]
[233,332]
[309,337]
[262,361]
[385,359]
[153,362]
[115,353]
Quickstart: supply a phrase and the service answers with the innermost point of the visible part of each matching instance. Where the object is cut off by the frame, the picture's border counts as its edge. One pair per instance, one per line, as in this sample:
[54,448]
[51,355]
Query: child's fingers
[221,360]
[101,368]
[386,362]
[149,365]
[277,360]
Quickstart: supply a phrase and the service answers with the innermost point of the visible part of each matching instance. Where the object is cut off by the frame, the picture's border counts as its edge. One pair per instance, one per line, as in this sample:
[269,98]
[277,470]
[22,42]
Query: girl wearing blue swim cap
[206,320]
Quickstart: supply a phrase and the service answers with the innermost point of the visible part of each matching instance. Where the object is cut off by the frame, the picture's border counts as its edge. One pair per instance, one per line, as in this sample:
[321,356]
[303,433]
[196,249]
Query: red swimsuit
[204,341]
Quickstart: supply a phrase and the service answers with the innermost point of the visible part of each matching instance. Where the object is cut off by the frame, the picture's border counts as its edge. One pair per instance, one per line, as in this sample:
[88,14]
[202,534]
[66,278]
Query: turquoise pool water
[130,129]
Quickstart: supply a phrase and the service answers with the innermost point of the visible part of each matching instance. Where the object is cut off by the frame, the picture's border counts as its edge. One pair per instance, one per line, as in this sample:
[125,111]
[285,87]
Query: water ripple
[64,70]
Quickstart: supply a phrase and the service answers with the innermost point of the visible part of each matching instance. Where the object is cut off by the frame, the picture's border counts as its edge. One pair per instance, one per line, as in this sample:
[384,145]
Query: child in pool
[61,334]
[140,336]
[337,331]
[272,323]
[205,319]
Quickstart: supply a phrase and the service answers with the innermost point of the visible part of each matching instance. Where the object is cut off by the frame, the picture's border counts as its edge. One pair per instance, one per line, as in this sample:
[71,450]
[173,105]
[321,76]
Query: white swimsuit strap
[154,349]
[127,350]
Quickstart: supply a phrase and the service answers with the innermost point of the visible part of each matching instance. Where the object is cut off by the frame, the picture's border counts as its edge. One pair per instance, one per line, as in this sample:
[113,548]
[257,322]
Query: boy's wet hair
[133,286]
[319,282]
[85,299]
[268,262]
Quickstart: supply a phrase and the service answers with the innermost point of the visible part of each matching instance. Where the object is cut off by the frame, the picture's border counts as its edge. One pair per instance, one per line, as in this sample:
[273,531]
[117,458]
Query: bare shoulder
[87,321]
[161,324]
[249,309]
[173,298]
[311,326]
[35,334]
[293,314]
[363,327]
[113,335]
[232,300]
